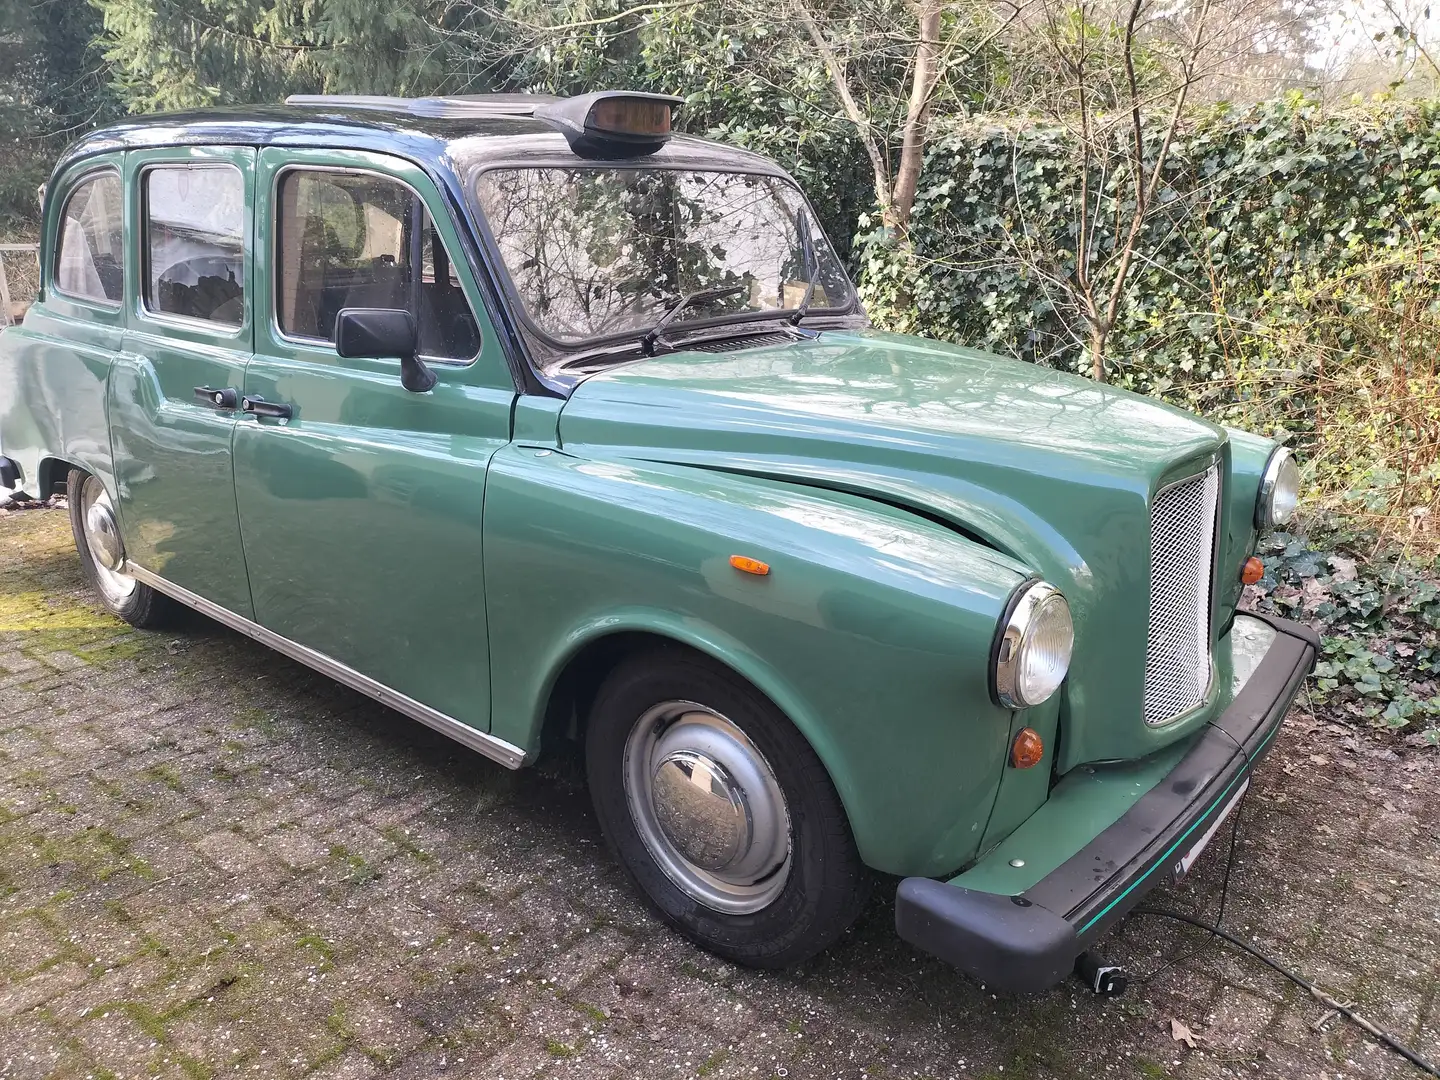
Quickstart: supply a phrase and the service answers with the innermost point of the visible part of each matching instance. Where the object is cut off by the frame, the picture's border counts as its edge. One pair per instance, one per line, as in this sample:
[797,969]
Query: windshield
[599,252]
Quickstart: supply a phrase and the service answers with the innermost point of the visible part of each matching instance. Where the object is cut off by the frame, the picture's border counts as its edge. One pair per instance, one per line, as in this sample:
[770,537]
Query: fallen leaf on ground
[1181,1033]
[1314,592]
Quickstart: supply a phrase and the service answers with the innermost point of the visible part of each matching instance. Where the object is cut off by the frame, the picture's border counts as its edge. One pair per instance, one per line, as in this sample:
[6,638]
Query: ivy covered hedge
[1285,283]
[1289,283]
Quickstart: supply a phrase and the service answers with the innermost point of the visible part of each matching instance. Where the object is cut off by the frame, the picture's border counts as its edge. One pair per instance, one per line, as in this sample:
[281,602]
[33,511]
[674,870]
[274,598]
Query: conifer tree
[178,54]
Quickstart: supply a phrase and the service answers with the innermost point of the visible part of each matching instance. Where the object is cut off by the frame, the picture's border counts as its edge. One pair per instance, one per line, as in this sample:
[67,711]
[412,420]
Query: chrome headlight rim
[1275,468]
[1020,617]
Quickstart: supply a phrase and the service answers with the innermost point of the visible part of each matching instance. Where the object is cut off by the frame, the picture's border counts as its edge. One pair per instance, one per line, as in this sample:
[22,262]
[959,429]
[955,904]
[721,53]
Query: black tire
[143,607]
[827,885]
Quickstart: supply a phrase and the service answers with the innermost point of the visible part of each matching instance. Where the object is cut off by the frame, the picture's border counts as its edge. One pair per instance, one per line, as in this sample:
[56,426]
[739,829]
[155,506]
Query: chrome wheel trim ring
[96,510]
[707,807]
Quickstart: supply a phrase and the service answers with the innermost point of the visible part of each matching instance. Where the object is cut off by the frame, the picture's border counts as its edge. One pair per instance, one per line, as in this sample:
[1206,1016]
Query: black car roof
[421,129]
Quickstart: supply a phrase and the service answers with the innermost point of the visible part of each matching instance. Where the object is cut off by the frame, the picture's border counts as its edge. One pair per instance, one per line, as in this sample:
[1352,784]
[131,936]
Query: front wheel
[102,555]
[720,812]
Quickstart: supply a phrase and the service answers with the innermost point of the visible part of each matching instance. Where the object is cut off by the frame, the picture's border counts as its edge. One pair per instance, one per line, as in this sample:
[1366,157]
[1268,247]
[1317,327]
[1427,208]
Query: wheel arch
[54,472]
[589,655]
[871,634]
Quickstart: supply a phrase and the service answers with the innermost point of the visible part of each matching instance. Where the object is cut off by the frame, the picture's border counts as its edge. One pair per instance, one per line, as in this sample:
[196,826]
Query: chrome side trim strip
[512,757]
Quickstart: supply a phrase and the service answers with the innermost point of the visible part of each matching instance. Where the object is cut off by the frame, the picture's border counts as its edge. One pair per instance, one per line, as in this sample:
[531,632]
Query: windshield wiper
[652,336]
[812,264]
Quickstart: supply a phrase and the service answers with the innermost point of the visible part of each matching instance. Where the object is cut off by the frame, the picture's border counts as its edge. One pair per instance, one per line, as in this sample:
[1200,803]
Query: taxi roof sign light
[612,123]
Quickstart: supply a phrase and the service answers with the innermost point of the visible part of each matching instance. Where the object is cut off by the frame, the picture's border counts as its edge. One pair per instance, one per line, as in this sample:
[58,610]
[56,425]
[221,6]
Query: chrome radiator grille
[1182,556]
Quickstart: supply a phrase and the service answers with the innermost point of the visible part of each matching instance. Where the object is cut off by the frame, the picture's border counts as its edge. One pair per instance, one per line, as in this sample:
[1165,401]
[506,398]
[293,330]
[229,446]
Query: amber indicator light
[1027,750]
[621,117]
[1252,571]
[747,565]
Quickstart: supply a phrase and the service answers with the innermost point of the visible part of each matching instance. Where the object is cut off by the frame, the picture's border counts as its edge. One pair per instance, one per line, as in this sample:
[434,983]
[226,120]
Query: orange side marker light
[747,565]
[1252,571]
[1027,750]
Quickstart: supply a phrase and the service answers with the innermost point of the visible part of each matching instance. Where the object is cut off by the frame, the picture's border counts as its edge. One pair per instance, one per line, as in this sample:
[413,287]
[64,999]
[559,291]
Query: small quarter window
[194,242]
[345,240]
[89,258]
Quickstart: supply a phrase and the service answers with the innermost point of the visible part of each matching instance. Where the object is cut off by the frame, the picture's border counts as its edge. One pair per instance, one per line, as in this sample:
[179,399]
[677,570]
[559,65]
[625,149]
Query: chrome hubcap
[701,810]
[708,807]
[102,536]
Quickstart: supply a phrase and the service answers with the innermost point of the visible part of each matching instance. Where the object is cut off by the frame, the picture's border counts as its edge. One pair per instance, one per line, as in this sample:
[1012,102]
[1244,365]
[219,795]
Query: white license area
[1188,859]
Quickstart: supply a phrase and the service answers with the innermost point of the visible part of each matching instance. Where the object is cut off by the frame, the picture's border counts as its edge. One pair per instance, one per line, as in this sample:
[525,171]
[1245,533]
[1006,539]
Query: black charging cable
[1300,981]
[1224,895]
[1215,931]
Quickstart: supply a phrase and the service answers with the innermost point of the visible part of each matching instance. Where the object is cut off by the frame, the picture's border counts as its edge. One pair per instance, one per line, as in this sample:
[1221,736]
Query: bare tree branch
[1147,188]
[912,136]
[857,116]
[580,24]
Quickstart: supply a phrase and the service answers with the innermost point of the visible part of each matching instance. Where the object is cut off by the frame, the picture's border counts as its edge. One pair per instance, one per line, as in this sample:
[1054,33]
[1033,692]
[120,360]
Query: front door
[175,383]
[361,509]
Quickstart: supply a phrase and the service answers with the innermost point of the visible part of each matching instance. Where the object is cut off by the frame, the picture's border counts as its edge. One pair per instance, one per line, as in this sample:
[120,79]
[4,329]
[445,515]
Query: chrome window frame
[273,239]
[85,177]
[142,288]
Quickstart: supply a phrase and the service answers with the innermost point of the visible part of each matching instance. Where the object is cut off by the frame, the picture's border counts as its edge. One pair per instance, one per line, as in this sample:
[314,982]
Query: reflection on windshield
[596,253]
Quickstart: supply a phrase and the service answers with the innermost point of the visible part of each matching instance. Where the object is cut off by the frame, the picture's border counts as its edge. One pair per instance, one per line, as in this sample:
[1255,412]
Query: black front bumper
[1029,942]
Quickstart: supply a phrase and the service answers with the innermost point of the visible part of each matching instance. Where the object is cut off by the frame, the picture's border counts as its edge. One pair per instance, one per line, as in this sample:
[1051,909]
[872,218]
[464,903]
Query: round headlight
[1032,652]
[1279,490]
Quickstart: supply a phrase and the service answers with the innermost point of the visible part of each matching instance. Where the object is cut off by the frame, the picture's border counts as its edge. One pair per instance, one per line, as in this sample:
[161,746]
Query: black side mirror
[383,333]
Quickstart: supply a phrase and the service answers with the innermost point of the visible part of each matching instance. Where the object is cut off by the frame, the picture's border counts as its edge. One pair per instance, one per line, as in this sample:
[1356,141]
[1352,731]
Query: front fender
[1249,454]
[871,633]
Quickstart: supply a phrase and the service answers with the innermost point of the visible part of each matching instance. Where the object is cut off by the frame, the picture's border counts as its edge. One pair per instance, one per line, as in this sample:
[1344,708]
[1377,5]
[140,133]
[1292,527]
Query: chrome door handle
[261,407]
[223,398]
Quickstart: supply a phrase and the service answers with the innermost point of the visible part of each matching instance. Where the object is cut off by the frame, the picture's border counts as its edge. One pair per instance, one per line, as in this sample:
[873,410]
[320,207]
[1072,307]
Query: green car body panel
[853,633]
[363,457]
[174,476]
[470,546]
[55,366]
[1053,470]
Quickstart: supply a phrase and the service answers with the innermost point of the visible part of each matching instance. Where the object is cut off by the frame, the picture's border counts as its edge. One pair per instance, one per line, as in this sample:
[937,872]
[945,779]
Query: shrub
[1286,282]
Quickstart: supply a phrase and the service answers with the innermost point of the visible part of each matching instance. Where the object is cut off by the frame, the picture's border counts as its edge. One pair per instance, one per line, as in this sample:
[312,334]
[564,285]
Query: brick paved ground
[215,863]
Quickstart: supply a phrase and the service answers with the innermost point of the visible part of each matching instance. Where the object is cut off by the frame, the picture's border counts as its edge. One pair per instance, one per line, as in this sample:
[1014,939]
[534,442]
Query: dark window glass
[90,259]
[345,240]
[594,252]
[195,242]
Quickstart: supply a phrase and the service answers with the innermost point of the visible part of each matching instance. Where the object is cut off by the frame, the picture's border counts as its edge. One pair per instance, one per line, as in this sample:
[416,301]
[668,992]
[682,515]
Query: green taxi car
[538,424]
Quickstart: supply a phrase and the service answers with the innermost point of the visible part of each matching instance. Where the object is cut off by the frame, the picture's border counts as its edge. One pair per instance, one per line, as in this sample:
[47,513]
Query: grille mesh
[1182,553]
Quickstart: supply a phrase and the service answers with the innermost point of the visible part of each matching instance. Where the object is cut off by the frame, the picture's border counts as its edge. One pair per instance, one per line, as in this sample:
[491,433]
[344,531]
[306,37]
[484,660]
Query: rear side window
[194,242]
[89,257]
[364,241]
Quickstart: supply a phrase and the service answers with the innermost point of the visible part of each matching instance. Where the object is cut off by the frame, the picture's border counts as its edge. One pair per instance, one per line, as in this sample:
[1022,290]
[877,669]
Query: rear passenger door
[175,384]
[54,366]
[361,510]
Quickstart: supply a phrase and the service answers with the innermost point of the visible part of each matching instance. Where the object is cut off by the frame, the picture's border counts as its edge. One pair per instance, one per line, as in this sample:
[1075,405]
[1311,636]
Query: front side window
[358,240]
[600,252]
[89,257]
[195,242]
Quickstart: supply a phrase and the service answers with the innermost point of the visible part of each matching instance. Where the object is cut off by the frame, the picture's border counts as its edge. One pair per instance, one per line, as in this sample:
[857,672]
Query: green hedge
[1258,201]
[1286,277]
